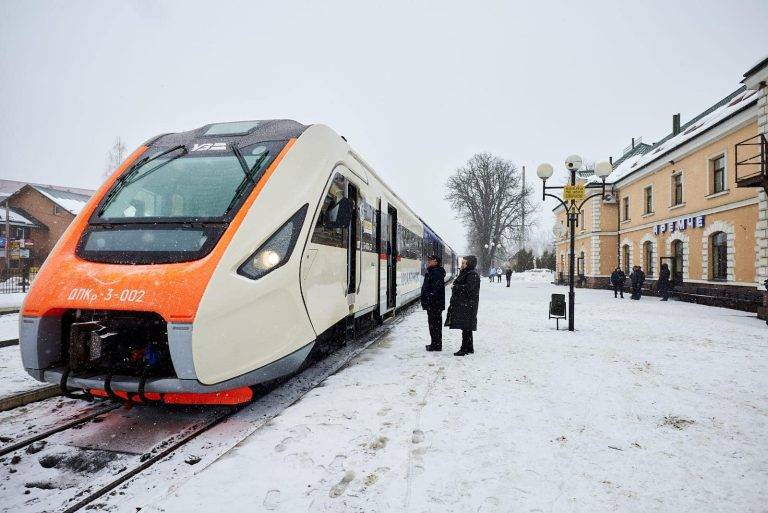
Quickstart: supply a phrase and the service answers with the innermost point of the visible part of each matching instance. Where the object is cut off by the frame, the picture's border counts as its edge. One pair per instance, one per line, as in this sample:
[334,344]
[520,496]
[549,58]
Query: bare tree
[489,198]
[115,156]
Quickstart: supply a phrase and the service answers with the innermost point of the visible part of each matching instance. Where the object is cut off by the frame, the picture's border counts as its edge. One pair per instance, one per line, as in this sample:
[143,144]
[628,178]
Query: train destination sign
[679,225]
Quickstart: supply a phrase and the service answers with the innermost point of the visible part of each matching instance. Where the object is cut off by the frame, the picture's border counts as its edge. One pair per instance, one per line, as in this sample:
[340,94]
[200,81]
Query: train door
[381,251]
[392,254]
[353,242]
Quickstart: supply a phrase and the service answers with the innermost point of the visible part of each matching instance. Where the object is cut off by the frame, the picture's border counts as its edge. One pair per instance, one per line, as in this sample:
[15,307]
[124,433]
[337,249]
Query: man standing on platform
[433,301]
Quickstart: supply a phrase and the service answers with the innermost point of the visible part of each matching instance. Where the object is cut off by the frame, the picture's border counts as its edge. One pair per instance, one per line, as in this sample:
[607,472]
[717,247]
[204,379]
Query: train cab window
[194,185]
[331,236]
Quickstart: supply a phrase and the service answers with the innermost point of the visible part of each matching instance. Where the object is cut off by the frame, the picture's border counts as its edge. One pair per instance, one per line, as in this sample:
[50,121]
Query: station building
[38,215]
[696,200]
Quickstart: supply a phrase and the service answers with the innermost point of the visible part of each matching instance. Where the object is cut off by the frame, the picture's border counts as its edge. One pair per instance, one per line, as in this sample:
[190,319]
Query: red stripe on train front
[234,396]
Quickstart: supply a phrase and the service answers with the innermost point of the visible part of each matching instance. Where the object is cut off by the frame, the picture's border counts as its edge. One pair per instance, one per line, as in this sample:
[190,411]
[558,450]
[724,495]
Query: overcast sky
[416,87]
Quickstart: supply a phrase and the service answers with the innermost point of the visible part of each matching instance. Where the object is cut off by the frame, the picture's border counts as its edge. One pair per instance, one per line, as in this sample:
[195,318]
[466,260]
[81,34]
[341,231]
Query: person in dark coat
[617,280]
[508,273]
[664,275]
[465,299]
[637,278]
[433,301]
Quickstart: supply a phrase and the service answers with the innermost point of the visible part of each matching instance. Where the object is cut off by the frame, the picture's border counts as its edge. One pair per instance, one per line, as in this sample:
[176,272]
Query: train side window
[331,236]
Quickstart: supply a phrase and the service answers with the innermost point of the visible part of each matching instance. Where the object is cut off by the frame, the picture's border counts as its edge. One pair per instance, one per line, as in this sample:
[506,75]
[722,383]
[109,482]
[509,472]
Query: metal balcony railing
[752,162]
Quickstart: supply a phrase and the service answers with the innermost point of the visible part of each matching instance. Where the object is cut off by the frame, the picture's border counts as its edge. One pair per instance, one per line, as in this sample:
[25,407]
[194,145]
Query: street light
[574,199]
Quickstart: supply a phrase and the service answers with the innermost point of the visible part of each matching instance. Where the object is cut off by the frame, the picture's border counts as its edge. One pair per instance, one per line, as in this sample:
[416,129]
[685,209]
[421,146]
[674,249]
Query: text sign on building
[679,225]
[574,192]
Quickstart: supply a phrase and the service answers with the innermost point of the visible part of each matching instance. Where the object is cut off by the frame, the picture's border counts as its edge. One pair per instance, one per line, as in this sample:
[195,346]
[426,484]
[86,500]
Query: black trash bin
[557,308]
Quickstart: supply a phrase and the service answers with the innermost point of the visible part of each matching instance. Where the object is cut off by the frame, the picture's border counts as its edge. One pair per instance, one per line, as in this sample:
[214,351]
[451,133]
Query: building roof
[714,115]
[8,187]
[754,69]
[17,218]
[72,202]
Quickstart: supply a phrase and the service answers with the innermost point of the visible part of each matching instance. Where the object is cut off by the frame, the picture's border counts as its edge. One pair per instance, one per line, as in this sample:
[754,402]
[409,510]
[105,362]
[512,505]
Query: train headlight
[269,259]
[276,250]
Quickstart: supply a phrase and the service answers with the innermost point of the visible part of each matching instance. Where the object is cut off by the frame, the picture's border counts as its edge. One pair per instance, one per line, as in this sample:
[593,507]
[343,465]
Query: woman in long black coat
[465,299]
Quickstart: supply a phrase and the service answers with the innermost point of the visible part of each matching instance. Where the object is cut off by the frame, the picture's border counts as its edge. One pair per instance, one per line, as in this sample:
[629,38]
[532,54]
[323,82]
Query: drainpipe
[618,226]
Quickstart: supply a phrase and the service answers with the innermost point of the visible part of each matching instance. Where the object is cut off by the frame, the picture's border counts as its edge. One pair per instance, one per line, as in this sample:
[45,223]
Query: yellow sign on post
[574,192]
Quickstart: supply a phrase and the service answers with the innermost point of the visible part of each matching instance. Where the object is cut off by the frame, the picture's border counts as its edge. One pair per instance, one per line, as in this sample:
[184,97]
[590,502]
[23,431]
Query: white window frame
[675,174]
[711,174]
[625,211]
[645,200]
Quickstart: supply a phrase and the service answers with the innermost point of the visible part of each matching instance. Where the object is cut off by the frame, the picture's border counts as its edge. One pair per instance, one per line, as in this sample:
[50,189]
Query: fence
[15,280]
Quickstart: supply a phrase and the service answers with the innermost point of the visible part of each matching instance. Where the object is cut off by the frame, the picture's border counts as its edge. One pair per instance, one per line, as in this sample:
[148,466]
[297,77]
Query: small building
[683,201]
[39,215]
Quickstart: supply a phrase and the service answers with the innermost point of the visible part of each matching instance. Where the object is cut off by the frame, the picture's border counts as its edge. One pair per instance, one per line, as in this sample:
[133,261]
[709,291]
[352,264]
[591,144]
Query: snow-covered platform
[649,406]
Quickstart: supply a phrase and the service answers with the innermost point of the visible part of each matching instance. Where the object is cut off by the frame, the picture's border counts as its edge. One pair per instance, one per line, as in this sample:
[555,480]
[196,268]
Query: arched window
[648,257]
[625,258]
[677,261]
[719,245]
[580,264]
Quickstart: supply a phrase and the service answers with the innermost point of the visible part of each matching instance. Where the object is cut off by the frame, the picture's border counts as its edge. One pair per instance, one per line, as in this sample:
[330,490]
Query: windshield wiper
[126,178]
[248,172]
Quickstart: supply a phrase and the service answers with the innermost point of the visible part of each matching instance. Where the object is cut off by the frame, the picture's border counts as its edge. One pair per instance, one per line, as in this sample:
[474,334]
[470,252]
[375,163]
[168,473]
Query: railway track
[94,486]
[26,441]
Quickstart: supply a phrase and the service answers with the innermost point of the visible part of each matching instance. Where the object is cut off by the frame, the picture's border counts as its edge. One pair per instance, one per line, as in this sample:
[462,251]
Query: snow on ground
[12,300]
[650,406]
[13,378]
[9,327]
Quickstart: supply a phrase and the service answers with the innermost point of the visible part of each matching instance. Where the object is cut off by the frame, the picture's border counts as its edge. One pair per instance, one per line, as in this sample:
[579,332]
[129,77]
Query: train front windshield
[187,186]
[174,204]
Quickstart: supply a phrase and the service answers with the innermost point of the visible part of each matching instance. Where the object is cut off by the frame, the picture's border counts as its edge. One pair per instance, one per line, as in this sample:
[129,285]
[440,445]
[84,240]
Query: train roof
[244,132]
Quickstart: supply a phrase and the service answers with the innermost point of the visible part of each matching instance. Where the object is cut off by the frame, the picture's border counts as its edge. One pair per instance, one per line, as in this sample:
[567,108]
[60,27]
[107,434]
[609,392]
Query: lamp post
[574,198]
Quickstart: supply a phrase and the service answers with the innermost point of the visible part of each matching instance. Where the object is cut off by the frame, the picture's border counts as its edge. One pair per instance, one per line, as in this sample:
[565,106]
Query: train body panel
[317,241]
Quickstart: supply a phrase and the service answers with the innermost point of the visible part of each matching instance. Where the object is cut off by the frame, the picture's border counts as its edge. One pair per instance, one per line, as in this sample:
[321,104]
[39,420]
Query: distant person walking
[499,272]
[637,278]
[465,299]
[663,284]
[618,278]
[433,301]
[491,273]
[508,272]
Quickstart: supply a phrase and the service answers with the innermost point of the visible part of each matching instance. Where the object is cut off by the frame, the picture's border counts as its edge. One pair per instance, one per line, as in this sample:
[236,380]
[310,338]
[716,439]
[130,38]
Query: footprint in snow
[418,436]
[272,500]
[339,488]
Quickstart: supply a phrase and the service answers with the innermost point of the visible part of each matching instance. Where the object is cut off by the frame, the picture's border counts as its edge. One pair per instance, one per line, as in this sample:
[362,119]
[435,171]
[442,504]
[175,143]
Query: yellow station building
[696,200]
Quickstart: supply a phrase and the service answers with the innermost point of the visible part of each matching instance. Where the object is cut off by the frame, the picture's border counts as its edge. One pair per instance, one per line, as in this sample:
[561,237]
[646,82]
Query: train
[218,259]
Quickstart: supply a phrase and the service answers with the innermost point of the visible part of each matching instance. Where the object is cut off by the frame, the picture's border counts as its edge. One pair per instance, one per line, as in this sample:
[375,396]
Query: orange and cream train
[216,259]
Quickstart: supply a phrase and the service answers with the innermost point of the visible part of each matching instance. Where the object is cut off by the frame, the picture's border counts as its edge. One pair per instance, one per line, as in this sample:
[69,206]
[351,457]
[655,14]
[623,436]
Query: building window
[719,244]
[580,264]
[581,221]
[718,174]
[648,257]
[677,189]
[56,210]
[677,261]
[625,208]
[648,200]
[21,232]
[625,258]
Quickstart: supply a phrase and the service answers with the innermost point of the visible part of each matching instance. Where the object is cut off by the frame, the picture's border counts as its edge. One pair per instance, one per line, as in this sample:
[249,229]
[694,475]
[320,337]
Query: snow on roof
[15,218]
[732,104]
[70,201]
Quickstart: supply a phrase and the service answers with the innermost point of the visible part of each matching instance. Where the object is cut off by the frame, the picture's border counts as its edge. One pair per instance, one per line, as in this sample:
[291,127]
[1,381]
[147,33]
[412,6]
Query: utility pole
[522,217]
[7,234]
